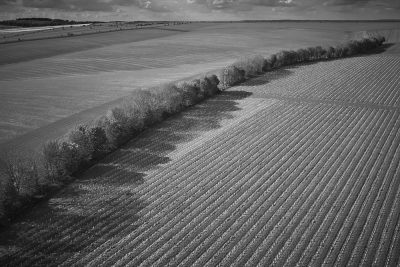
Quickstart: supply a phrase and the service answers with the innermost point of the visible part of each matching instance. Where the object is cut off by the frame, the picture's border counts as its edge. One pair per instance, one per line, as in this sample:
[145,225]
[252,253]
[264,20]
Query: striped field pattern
[46,81]
[296,167]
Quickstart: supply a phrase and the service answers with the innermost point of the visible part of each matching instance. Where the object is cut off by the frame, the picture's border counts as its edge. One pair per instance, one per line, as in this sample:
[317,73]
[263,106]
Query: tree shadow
[270,76]
[381,49]
[101,206]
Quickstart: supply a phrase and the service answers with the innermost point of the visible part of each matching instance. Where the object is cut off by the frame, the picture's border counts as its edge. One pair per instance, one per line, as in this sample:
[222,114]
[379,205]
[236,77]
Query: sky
[109,10]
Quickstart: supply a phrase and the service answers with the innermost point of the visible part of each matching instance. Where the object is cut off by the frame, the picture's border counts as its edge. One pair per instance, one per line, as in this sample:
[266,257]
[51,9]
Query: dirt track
[299,166]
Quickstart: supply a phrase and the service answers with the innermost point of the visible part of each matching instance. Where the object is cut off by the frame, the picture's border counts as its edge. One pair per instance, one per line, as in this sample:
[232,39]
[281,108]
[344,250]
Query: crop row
[60,66]
[175,231]
[295,183]
[373,85]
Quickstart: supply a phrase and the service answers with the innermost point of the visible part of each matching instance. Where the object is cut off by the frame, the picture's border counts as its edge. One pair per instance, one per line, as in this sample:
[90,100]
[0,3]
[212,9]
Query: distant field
[15,34]
[33,29]
[47,80]
[297,167]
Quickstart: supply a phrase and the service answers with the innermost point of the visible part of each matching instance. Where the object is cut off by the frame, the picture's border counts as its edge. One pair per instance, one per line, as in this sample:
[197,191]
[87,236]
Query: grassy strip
[24,178]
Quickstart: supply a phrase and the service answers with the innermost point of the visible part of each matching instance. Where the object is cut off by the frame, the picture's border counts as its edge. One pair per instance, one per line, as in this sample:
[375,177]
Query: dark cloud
[69,5]
[346,2]
[92,5]
[158,6]
[241,4]
[8,2]
[215,4]
[273,3]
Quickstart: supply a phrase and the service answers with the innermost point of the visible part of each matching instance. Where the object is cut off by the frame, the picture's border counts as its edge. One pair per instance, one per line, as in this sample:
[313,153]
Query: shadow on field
[102,206]
[269,76]
[381,49]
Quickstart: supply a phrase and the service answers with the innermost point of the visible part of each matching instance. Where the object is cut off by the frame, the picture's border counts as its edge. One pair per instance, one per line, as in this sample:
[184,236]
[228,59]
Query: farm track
[296,167]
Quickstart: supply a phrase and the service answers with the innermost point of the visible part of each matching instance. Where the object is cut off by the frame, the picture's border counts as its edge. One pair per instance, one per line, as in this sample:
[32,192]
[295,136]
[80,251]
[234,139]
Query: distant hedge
[25,177]
[241,70]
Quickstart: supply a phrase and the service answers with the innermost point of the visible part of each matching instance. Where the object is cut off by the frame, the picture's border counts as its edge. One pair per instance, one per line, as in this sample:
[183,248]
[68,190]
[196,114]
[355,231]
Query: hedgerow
[22,177]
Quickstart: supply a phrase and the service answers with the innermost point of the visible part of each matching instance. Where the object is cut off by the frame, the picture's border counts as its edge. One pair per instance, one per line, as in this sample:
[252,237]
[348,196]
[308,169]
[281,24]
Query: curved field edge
[30,177]
[305,173]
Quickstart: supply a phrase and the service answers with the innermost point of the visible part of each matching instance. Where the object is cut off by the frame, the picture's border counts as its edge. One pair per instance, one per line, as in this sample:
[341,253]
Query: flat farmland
[56,83]
[299,166]
[17,34]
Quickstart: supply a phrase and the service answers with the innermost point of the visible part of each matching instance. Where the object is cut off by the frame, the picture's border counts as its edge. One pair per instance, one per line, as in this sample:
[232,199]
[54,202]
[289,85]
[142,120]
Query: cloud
[240,5]
[273,3]
[93,5]
[346,2]
[69,5]
[216,9]
[8,2]
[157,6]
[173,5]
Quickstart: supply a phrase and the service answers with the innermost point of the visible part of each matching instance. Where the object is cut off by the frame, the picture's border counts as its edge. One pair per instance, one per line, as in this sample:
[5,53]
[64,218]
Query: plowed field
[296,167]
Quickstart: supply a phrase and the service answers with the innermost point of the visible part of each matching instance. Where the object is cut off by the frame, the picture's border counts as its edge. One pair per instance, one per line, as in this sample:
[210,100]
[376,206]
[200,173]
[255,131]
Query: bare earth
[298,166]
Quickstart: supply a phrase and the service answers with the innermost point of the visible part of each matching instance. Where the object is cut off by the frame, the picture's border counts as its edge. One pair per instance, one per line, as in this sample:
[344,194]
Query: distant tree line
[39,22]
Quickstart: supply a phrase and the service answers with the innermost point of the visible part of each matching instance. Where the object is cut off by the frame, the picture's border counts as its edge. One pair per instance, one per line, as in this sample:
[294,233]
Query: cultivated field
[298,166]
[45,81]
[17,34]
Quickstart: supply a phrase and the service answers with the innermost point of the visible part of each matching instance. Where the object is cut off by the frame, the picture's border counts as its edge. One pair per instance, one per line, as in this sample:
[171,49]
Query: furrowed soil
[49,85]
[297,166]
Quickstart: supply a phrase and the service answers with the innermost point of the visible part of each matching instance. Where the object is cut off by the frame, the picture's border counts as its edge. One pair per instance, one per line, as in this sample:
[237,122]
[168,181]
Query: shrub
[91,141]
[169,98]
[380,39]
[303,55]
[339,51]
[61,158]
[98,141]
[250,65]
[196,85]
[209,85]
[190,93]
[51,156]
[330,52]
[231,75]
[20,175]
[80,138]
[369,44]
[312,52]
[9,198]
[354,48]
[266,65]
[272,61]
[345,51]
[285,58]
[293,57]
[70,158]
[320,52]
[146,107]
[133,113]
[115,127]
[214,82]
[280,59]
